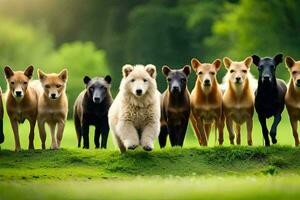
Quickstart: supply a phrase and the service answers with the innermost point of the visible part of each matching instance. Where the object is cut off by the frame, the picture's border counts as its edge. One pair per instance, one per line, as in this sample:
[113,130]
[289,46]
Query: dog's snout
[139,92]
[266,77]
[97,99]
[53,96]
[206,82]
[238,79]
[18,93]
[176,88]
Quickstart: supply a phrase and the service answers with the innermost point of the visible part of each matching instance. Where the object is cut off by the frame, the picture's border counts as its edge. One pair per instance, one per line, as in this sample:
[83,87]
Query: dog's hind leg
[273,132]
[77,124]
[42,133]
[31,134]
[162,138]
[221,130]
[238,134]
[264,128]
[294,124]
[249,130]
[14,125]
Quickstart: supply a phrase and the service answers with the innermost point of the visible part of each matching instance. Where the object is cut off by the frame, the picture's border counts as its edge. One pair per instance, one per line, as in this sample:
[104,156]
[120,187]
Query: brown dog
[206,101]
[21,102]
[175,106]
[238,99]
[292,97]
[53,106]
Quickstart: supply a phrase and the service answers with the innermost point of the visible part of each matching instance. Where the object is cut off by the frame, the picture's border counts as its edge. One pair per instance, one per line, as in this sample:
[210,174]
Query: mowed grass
[192,172]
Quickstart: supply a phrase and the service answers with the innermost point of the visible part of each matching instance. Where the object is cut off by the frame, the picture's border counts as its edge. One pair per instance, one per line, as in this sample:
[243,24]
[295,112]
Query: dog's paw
[132,147]
[17,149]
[274,140]
[54,147]
[147,148]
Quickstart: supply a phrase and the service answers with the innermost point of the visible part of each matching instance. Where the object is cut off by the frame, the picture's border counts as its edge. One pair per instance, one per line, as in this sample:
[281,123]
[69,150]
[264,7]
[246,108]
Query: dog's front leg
[229,124]
[264,128]
[150,132]
[202,134]
[42,132]
[53,138]
[273,132]
[31,133]
[128,134]
[294,124]
[85,133]
[14,125]
[60,132]
[104,135]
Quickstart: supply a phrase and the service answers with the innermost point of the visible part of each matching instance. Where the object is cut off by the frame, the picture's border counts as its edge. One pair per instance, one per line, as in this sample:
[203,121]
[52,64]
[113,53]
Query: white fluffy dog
[134,116]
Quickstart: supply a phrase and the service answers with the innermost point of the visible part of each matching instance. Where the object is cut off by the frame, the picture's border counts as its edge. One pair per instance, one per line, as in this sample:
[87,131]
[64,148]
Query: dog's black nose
[207,82]
[52,96]
[176,88]
[139,91]
[97,99]
[238,79]
[18,93]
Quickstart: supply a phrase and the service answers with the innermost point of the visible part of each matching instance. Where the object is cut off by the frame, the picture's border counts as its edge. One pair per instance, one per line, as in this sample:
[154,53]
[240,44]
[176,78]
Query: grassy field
[192,172]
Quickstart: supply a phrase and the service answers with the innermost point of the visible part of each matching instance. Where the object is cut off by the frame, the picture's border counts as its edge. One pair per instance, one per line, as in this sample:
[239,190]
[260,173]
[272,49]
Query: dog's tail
[77,127]
[1,118]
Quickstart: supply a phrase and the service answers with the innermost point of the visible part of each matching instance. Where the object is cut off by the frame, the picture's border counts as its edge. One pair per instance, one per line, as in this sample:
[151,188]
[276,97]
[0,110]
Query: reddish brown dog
[206,101]
[21,102]
[292,97]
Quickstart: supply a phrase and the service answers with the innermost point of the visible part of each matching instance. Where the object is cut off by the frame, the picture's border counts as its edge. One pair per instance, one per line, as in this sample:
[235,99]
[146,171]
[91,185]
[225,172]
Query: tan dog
[21,102]
[53,106]
[292,97]
[206,101]
[238,99]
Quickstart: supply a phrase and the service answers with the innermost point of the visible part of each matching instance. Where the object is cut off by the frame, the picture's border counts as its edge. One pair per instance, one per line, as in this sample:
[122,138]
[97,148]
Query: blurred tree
[22,45]
[258,27]
[80,58]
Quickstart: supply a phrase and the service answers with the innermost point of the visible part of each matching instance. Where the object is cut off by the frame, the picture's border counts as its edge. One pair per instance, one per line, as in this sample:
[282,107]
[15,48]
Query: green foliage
[80,58]
[22,45]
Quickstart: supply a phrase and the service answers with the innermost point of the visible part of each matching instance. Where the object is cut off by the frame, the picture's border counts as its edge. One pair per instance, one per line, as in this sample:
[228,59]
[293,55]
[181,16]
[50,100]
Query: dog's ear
[29,71]
[289,61]
[63,75]
[165,70]
[217,63]
[8,72]
[195,63]
[187,70]
[278,58]
[151,69]
[86,80]
[126,69]
[41,75]
[227,62]
[248,61]
[256,60]
[107,78]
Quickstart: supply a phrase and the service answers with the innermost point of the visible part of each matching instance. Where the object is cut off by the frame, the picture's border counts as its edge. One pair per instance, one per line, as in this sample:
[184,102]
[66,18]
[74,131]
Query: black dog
[91,108]
[269,96]
[175,107]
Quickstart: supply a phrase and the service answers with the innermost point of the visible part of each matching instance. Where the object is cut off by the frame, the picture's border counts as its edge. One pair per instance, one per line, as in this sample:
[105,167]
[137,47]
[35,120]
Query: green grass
[192,172]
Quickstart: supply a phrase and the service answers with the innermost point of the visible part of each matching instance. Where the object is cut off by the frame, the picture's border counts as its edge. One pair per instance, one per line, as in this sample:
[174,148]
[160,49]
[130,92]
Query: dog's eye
[25,83]
[169,79]
[231,71]
[200,73]
[212,73]
[58,86]
[12,82]
[244,71]
[132,80]
[294,72]
[91,89]
[183,80]
[47,86]
[145,80]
